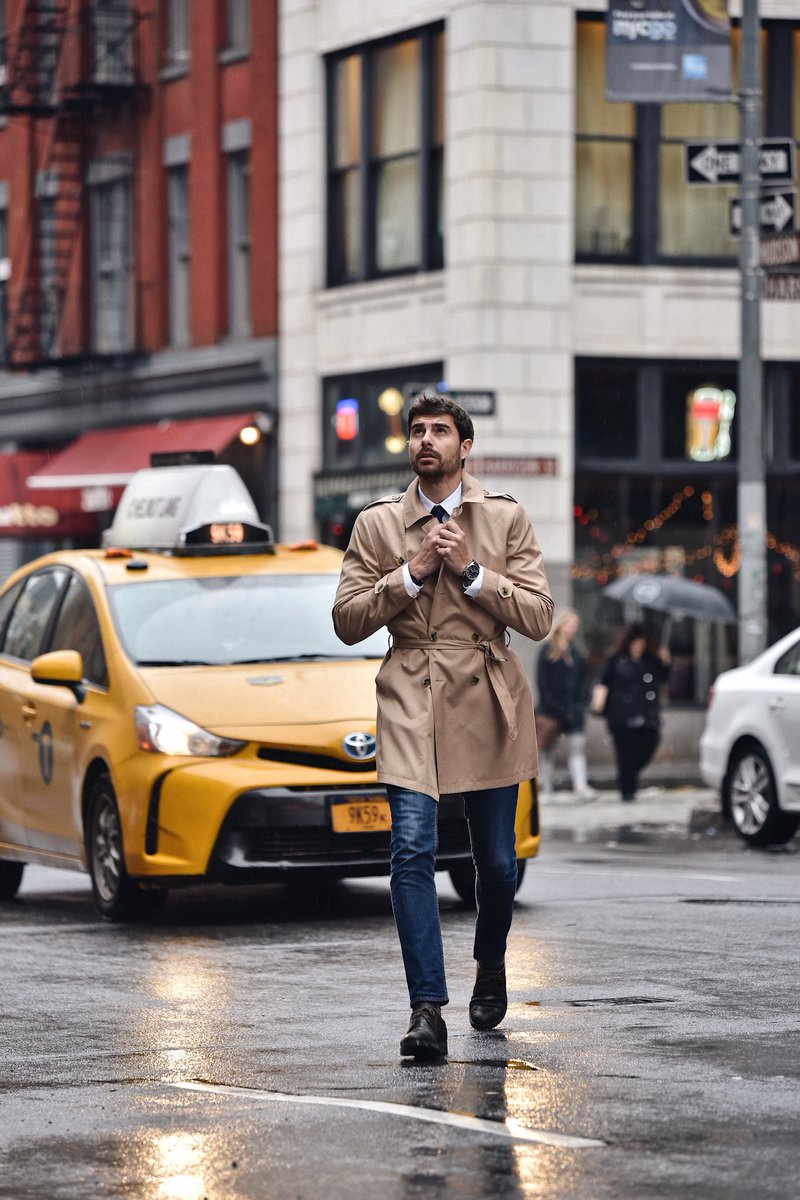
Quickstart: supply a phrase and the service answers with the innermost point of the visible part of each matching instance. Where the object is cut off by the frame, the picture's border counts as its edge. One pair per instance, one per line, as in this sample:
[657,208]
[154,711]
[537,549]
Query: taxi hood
[249,702]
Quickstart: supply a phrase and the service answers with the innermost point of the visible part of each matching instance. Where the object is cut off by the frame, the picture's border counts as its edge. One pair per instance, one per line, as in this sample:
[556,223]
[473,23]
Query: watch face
[470,572]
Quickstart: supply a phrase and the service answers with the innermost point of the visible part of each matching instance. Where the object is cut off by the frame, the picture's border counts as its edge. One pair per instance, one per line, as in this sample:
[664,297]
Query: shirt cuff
[475,587]
[411,587]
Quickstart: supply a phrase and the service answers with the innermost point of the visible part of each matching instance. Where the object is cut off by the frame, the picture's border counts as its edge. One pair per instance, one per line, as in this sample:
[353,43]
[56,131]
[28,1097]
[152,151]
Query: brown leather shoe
[489,998]
[427,1034]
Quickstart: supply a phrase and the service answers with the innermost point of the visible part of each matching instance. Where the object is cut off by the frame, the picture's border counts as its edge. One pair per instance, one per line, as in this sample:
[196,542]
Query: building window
[665,500]
[238,25]
[112,40]
[46,217]
[5,268]
[365,452]
[178,254]
[364,416]
[386,138]
[238,166]
[112,279]
[176,49]
[631,200]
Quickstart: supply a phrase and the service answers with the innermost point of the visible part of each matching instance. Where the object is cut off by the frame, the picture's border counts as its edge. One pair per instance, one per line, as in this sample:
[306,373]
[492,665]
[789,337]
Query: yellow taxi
[175,707]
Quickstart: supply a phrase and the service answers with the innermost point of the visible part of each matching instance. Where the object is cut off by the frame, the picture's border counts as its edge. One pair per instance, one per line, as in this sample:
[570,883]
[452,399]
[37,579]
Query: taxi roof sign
[196,509]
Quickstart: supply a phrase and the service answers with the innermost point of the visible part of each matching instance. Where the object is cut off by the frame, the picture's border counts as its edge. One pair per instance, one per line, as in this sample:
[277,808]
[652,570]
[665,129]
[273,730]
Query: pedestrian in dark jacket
[627,695]
[561,681]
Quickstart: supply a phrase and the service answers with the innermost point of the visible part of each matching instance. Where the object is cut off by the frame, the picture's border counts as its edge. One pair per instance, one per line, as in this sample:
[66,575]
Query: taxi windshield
[235,619]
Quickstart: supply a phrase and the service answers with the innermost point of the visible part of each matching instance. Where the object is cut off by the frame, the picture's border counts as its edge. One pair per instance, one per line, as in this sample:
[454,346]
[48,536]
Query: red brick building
[138,245]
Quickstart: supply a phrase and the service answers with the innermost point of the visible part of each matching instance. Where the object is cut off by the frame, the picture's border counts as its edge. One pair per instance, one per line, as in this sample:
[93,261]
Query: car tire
[462,877]
[10,878]
[116,895]
[751,799]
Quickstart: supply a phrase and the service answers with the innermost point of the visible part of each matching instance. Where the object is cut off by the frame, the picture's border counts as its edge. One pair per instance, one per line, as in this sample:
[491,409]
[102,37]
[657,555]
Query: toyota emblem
[359,745]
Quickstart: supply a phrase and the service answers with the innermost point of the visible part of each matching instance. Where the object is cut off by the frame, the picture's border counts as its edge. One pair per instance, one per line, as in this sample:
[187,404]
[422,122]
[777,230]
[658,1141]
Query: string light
[725,550]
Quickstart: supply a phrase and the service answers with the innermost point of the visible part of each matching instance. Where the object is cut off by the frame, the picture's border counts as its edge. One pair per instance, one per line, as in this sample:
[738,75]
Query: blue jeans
[490,817]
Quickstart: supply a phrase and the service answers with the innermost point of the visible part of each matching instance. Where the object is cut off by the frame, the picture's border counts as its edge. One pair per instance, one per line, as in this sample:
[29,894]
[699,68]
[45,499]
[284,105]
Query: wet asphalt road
[653,1024]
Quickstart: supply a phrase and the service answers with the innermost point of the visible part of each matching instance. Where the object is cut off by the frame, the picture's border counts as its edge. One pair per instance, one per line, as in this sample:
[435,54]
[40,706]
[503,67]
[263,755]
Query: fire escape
[68,66]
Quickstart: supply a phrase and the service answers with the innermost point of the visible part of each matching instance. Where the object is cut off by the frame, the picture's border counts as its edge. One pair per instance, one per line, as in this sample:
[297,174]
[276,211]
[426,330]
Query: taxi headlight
[162,731]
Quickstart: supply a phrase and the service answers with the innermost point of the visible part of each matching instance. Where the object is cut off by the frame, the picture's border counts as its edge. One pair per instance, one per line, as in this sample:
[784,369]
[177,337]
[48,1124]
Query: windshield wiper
[279,658]
[176,662]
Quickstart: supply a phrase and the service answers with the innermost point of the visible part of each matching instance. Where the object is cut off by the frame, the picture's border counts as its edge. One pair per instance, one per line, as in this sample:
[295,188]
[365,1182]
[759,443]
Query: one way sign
[775,213]
[721,162]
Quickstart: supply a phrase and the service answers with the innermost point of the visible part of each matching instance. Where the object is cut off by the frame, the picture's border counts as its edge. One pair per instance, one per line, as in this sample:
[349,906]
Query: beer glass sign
[709,413]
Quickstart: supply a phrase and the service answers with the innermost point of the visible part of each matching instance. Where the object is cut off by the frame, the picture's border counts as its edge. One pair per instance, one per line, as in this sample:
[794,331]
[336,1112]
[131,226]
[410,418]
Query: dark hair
[428,405]
[630,635]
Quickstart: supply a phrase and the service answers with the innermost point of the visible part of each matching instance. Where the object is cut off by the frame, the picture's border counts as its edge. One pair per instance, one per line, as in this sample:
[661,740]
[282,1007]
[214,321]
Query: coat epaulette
[393,499]
[498,496]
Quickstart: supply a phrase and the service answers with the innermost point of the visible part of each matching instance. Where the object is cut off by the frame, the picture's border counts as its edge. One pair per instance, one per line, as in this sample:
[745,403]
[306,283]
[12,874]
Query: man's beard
[430,469]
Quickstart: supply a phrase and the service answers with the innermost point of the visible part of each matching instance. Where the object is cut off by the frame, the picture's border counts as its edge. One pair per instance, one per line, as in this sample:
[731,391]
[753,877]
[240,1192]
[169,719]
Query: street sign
[477,402]
[782,287]
[783,251]
[720,162]
[776,212]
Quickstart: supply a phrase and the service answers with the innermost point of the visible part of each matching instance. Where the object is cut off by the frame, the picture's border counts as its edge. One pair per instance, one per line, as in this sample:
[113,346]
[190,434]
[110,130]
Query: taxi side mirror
[61,668]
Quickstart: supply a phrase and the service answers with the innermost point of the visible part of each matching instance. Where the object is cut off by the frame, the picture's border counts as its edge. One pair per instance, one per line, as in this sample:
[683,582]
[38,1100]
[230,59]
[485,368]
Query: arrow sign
[720,162]
[775,213]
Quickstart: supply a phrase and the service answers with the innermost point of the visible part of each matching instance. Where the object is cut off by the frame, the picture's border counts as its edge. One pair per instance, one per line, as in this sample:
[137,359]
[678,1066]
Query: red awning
[106,458]
[28,513]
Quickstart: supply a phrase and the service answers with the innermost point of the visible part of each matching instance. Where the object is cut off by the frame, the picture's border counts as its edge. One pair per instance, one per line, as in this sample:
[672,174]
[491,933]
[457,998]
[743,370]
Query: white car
[750,748]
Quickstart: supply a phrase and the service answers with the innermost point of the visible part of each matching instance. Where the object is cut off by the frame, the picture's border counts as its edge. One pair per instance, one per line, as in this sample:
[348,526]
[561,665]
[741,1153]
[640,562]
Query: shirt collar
[449,504]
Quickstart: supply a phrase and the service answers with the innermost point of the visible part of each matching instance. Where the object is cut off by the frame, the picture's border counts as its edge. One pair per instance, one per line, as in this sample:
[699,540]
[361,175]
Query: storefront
[656,491]
[364,442]
[65,498]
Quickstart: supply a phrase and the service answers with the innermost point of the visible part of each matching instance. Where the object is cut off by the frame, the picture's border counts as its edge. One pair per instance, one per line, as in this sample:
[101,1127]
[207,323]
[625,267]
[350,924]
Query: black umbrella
[674,595]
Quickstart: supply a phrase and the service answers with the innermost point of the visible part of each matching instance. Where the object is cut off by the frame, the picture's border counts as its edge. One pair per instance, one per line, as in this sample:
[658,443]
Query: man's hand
[452,547]
[426,561]
[444,543]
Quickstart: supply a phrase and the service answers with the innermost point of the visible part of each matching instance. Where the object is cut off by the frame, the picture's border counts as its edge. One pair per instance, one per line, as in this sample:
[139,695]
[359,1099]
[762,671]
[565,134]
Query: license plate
[361,816]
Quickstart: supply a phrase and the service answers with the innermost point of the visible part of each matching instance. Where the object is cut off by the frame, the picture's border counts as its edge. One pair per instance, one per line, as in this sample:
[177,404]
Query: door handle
[28,712]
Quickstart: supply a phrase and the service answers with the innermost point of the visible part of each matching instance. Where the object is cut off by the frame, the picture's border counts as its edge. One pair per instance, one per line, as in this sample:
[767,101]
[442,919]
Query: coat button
[474,680]
[434,636]
[476,637]
[426,682]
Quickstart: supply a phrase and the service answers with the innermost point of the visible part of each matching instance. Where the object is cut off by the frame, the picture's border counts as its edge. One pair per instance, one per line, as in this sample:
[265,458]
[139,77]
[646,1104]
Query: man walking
[448,567]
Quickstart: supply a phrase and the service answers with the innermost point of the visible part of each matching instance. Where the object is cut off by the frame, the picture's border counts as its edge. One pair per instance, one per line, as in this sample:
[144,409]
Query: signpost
[751,497]
[721,162]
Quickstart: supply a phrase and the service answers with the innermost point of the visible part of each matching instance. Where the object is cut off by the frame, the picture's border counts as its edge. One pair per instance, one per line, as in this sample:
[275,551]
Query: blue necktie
[439,512]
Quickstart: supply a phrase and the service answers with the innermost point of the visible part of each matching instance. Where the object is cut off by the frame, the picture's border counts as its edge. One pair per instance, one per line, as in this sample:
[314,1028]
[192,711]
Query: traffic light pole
[751,494]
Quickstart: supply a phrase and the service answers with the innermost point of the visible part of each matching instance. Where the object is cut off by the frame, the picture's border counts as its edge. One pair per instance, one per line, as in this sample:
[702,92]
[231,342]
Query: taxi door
[11,798]
[25,613]
[58,730]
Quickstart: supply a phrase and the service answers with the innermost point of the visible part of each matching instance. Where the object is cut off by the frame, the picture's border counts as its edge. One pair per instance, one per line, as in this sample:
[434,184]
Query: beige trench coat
[454,706]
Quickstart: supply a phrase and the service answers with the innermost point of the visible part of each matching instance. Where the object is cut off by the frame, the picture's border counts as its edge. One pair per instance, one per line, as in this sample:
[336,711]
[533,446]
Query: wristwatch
[470,573]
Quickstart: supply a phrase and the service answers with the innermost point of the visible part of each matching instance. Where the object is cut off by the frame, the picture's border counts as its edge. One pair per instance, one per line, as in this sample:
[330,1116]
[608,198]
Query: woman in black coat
[561,683]
[628,697]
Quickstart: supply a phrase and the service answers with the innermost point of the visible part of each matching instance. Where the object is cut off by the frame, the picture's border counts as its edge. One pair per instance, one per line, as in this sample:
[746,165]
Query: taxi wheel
[10,878]
[462,878]
[117,896]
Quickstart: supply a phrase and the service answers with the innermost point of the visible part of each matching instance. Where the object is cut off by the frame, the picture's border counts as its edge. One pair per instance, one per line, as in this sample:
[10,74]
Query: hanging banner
[668,50]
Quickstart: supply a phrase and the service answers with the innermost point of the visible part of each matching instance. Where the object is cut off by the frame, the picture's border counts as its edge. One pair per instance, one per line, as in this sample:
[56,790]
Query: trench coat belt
[493,667]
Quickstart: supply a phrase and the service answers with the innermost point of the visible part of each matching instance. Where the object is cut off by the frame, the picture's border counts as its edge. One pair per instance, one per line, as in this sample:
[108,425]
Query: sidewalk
[657,812]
